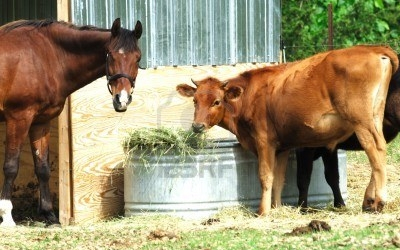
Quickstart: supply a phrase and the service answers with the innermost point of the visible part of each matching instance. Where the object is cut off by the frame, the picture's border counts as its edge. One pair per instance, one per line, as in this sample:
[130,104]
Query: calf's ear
[233,92]
[185,90]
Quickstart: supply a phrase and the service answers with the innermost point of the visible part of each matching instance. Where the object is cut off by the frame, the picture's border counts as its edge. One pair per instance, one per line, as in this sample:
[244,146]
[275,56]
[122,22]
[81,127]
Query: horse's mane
[124,39]
[45,23]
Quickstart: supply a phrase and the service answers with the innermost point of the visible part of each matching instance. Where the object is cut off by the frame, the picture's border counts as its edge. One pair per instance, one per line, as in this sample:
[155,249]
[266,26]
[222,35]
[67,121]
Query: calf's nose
[198,127]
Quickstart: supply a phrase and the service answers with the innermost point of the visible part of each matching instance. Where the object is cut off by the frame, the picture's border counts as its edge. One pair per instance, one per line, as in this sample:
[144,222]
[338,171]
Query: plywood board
[98,131]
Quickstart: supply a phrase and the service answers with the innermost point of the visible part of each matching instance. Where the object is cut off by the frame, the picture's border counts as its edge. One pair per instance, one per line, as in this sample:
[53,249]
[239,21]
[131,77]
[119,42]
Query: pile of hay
[157,142]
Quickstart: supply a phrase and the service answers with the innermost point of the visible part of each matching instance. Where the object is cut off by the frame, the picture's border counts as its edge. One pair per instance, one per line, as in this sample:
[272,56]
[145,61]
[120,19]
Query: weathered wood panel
[98,131]
[26,185]
[64,133]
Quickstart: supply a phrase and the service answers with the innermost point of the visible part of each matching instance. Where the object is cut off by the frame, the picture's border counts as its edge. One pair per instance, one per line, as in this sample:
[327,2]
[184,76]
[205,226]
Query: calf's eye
[216,103]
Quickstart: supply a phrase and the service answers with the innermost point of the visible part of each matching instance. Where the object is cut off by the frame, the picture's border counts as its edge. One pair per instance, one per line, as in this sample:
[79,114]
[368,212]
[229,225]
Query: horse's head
[122,63]
[210,99]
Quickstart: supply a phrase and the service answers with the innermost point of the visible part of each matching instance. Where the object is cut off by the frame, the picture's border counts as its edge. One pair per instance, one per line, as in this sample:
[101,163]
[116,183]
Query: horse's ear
[138,30]
[116,27]
[233,92]
[185,90]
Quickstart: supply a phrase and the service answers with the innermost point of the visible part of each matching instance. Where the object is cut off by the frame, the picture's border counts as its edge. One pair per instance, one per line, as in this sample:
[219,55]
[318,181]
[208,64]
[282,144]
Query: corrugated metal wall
[193,32]
[11,10]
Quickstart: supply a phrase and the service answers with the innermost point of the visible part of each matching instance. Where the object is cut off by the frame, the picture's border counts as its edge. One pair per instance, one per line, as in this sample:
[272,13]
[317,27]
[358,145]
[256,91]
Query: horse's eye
[216,103]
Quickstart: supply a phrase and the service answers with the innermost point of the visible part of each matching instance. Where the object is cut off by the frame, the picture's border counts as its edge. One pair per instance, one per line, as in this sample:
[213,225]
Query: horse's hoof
[5,212]
[50,218]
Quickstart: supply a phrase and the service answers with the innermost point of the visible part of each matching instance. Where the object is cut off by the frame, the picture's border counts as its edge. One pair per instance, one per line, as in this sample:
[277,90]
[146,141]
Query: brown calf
[319,101]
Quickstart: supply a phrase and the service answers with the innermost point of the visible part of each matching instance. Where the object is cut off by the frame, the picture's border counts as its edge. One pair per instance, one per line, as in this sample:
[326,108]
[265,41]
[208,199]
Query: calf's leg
[304,159]
[375,148]
[331,165]
[266,164]
[279,178]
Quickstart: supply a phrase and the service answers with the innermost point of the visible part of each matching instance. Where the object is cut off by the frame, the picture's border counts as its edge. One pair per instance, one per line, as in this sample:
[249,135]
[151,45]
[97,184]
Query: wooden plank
[64,134]
[98,131]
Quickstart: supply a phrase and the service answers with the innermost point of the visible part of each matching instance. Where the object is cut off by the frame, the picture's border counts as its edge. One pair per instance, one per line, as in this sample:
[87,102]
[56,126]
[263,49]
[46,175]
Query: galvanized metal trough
[220,176]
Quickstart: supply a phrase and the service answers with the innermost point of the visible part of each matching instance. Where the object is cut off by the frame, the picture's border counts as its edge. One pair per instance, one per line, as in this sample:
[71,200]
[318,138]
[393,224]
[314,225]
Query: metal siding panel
[181,43]
[259,10]
[193,32]
[21,8]
[6,11]
[232,32]
[11,10]
[161,35]
[220,42]
[241,41]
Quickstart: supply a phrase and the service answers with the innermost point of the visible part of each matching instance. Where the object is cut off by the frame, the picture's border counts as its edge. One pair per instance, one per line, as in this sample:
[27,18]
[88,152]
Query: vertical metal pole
[330,27]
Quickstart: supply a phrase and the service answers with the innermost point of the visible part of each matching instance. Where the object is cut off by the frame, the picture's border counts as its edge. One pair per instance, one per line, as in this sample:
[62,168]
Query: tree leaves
[305,24]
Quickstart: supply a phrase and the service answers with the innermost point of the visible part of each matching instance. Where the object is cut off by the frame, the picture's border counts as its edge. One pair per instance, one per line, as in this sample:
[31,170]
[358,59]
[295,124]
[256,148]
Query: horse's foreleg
[39,136]
[16,132]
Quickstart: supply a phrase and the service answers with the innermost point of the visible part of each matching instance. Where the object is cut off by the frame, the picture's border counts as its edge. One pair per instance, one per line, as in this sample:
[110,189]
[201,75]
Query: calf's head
[211,99]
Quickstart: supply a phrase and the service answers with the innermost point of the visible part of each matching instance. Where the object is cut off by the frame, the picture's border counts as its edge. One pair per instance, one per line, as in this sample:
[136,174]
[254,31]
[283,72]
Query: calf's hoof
[373,206]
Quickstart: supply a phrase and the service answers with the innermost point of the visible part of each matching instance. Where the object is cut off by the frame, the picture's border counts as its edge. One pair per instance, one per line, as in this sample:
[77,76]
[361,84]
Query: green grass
[133,233]
[377,236]
[393,154]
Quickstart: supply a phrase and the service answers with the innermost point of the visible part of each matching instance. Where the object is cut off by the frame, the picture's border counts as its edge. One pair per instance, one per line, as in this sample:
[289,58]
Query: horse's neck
[84,56]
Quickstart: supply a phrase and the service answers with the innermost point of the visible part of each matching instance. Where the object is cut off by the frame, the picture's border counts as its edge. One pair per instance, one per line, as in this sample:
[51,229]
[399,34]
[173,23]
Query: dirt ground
[136,232]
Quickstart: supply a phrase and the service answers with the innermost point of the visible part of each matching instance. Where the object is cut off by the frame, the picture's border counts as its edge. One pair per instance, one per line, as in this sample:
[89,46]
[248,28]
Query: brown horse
[41,64]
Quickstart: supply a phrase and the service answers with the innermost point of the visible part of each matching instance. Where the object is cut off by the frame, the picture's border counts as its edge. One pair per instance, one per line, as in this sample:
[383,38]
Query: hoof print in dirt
[163,235]
[210,221]
[313,226]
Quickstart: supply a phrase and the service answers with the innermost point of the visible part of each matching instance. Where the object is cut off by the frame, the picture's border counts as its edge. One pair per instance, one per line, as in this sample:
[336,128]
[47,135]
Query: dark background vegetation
[305,25]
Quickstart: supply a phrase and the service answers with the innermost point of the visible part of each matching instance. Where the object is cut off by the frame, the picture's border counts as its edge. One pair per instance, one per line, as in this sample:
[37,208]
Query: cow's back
[316,100]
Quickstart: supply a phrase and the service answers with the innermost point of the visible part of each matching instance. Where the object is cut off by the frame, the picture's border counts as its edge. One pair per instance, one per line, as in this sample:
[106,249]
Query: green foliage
[305,25]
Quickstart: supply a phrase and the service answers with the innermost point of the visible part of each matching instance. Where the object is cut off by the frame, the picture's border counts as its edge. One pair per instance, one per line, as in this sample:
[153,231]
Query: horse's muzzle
[121,101]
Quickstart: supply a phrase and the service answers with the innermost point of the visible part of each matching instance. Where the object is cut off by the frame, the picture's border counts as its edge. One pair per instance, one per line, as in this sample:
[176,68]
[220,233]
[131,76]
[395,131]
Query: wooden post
[64,148]
[330,27]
